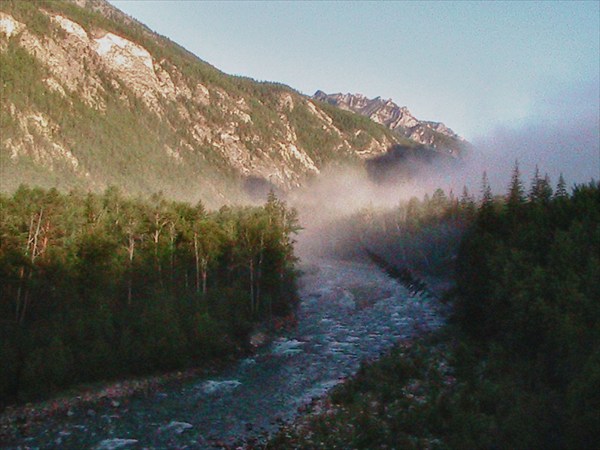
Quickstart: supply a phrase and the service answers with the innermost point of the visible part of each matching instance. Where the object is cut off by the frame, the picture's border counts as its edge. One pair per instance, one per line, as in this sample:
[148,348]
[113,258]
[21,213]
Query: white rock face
[303,158]
[201,94]
[286,101]
[134,65]
[71,27]
[313,109]
[9,26]
[65,59]
[37,128]
[122,53]
[55,86]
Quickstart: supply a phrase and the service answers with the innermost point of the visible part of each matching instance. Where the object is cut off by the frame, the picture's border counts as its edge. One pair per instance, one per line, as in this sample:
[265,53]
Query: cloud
[562,135]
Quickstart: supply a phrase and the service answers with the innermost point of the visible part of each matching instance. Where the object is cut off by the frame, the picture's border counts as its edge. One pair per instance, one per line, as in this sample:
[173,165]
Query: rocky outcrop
[398,119]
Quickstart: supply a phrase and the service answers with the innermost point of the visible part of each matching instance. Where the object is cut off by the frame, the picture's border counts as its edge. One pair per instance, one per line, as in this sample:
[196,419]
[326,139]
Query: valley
[349,311]
[197,259]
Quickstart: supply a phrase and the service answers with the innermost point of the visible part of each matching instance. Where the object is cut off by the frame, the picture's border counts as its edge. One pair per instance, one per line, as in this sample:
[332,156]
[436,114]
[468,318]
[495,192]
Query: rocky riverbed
[349,312]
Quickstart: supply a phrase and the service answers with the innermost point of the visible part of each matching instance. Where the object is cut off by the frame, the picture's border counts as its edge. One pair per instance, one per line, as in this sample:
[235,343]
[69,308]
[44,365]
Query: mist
[326,205]
[561,136]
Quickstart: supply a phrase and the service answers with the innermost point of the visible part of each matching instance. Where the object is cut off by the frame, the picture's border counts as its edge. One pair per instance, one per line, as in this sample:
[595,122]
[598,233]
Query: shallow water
[349,312]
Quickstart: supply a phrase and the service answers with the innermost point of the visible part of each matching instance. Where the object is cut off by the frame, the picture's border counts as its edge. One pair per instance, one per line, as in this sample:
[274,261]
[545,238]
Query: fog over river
[349,311]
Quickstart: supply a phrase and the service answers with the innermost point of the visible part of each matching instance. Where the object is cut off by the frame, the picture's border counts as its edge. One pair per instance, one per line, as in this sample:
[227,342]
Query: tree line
[518,365]
[528,301]
[526,305]
[418,235]
[101,285]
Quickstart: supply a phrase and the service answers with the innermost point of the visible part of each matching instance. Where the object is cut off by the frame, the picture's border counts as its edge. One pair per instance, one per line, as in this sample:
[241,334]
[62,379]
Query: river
[349,311]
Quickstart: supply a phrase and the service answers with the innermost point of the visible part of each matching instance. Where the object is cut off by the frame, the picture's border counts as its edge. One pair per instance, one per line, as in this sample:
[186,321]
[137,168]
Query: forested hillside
[91,98]
[95,286]
[528,299]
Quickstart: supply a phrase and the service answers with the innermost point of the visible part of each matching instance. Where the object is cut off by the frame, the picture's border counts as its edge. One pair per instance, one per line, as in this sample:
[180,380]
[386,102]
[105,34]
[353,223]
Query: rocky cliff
[91,98]
[400,120]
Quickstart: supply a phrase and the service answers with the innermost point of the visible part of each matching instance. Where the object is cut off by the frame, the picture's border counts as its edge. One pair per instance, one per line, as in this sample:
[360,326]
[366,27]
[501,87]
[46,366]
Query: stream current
[349,312]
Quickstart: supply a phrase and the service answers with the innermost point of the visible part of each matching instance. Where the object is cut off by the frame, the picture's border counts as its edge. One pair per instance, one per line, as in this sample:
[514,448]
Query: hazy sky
[479,67]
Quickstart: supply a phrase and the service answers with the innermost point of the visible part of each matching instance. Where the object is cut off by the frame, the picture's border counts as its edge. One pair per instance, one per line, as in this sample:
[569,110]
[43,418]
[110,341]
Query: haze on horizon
[518,79]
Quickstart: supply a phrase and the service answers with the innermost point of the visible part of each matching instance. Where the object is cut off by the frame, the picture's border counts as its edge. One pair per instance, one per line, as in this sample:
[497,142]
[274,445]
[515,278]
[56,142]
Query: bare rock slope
[400,120]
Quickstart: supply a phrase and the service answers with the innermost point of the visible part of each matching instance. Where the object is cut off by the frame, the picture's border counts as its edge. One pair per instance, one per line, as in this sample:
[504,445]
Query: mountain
[399,119]
[91,98]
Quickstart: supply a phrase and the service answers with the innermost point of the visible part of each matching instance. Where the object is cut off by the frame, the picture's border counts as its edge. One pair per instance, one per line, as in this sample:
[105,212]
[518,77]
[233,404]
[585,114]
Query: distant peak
[398,119]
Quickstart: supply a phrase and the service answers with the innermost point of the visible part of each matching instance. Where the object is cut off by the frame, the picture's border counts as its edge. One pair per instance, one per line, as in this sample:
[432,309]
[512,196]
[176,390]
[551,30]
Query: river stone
[177,427]
[258,339]
[111,444]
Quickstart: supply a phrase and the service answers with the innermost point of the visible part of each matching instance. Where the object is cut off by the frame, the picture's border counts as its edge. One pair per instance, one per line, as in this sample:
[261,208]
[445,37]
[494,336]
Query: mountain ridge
[399,119]
[92,98]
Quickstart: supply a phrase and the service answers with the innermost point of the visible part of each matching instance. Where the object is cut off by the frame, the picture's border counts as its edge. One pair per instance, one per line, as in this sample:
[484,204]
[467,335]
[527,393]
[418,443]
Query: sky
[485,69]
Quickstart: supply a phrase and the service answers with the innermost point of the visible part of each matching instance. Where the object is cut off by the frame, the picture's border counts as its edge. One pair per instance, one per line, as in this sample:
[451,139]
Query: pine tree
[541,191]
[561,188]
[516,192]
[466,203]
[534,191]
[438,202]
[545,189]
[485,216]
[486,191]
